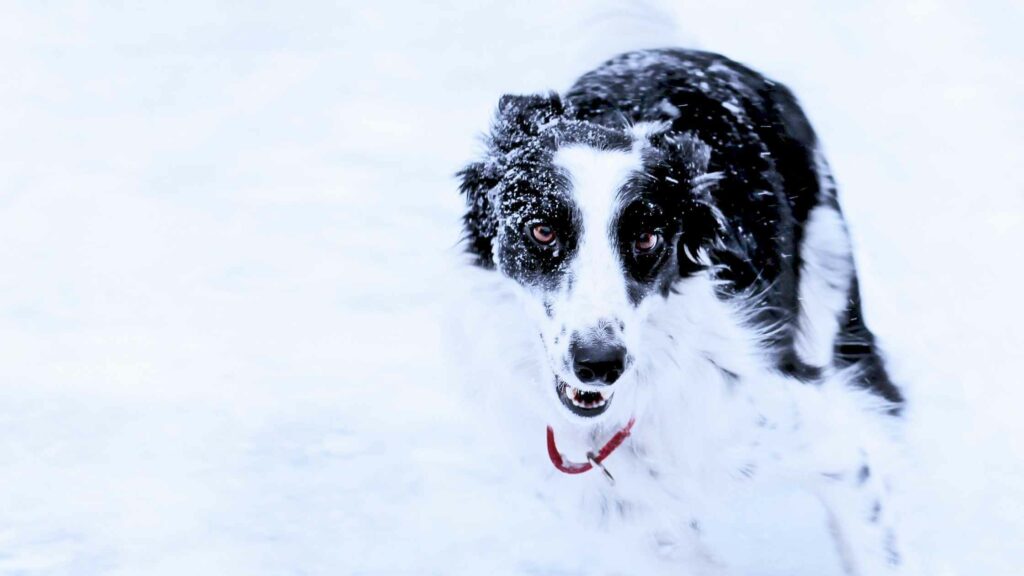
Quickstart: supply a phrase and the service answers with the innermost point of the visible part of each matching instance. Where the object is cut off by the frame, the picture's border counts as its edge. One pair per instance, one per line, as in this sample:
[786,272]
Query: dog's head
[596,225]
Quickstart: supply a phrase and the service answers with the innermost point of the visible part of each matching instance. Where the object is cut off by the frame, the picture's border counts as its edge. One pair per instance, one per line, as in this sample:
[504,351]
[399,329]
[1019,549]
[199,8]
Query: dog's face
[596,226]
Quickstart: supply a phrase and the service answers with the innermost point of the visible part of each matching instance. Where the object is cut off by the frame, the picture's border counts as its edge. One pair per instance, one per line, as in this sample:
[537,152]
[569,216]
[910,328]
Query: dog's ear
[689,159]
[522,118]
[688,156]
[480,222]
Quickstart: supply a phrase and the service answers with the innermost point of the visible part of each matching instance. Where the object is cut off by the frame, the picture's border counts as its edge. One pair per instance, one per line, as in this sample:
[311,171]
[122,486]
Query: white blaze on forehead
[596,176]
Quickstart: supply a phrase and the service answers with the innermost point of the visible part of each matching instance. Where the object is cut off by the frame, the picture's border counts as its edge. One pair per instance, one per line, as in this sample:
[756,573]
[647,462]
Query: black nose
[598,363]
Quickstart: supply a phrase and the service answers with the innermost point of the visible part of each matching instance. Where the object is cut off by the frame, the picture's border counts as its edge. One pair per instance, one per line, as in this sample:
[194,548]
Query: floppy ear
[518,121]
[705,230]
[687,158]
[690,157]
[521,118]
[480,222]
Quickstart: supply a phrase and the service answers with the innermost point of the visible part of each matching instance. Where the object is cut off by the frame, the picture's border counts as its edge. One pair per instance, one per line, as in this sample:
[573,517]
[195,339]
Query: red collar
[592,459]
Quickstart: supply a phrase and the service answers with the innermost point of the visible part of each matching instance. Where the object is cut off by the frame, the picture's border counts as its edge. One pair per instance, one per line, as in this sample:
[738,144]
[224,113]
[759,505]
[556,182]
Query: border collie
[689,307]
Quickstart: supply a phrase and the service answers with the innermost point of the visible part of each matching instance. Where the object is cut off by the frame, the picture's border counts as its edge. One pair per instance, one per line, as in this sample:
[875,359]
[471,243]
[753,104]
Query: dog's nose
[598,363]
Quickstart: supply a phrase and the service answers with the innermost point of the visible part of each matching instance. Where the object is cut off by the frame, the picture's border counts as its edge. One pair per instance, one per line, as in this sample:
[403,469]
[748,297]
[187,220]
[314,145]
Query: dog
[687,302]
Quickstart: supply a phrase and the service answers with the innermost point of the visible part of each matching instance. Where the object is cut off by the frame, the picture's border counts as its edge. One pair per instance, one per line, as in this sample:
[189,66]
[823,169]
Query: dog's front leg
[863,522]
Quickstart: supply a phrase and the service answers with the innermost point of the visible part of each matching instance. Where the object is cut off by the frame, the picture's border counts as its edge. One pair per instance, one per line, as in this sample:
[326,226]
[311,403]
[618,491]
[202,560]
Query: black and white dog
[675,240]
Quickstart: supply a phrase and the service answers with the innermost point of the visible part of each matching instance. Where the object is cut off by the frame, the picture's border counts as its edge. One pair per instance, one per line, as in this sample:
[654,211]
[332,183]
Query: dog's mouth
[585,403]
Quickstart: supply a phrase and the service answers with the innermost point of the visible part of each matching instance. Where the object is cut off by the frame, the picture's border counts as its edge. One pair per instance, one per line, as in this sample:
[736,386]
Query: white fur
[824,284]
[596,176]
[700,434]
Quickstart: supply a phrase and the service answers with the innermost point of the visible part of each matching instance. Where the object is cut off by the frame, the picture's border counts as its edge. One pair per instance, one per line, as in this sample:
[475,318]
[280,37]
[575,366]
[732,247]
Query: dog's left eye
[647,242]
[543,234]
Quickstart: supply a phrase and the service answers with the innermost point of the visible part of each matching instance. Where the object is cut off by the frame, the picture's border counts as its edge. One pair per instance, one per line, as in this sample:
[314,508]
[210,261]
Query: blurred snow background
[225,233]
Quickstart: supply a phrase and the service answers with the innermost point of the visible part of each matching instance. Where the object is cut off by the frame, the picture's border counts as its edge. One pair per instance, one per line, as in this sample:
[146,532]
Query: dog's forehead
[600,160]
[577,164]
[596,176]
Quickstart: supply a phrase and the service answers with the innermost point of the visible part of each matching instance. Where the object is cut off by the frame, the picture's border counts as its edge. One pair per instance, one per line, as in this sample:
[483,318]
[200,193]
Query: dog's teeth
[586,399]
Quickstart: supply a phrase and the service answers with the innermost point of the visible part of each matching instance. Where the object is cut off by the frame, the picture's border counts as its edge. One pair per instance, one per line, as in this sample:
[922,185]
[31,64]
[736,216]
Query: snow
[226,234]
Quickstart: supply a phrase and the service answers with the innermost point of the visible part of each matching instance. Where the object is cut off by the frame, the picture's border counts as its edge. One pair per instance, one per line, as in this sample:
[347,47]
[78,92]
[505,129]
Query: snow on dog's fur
[664,243]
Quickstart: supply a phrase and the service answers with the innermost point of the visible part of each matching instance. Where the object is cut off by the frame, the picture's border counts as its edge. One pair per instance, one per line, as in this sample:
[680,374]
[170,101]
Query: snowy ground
[225,233]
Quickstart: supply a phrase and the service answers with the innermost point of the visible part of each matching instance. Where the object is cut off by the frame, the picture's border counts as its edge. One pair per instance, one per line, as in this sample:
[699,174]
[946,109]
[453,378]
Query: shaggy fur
[675,245]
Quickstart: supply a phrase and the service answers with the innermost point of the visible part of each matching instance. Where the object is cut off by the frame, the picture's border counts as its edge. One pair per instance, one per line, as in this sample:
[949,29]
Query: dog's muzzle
[598,359]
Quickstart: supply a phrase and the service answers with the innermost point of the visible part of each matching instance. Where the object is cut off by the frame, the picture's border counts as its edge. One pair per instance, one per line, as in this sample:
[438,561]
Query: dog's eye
[647,242]
[543,234]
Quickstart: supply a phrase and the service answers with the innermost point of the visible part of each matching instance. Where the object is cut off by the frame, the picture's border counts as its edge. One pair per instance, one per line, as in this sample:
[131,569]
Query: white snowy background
[226,230]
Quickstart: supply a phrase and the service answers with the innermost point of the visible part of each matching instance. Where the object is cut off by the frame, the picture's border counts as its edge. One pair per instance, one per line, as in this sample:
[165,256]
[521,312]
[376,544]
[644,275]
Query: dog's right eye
[543,234]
